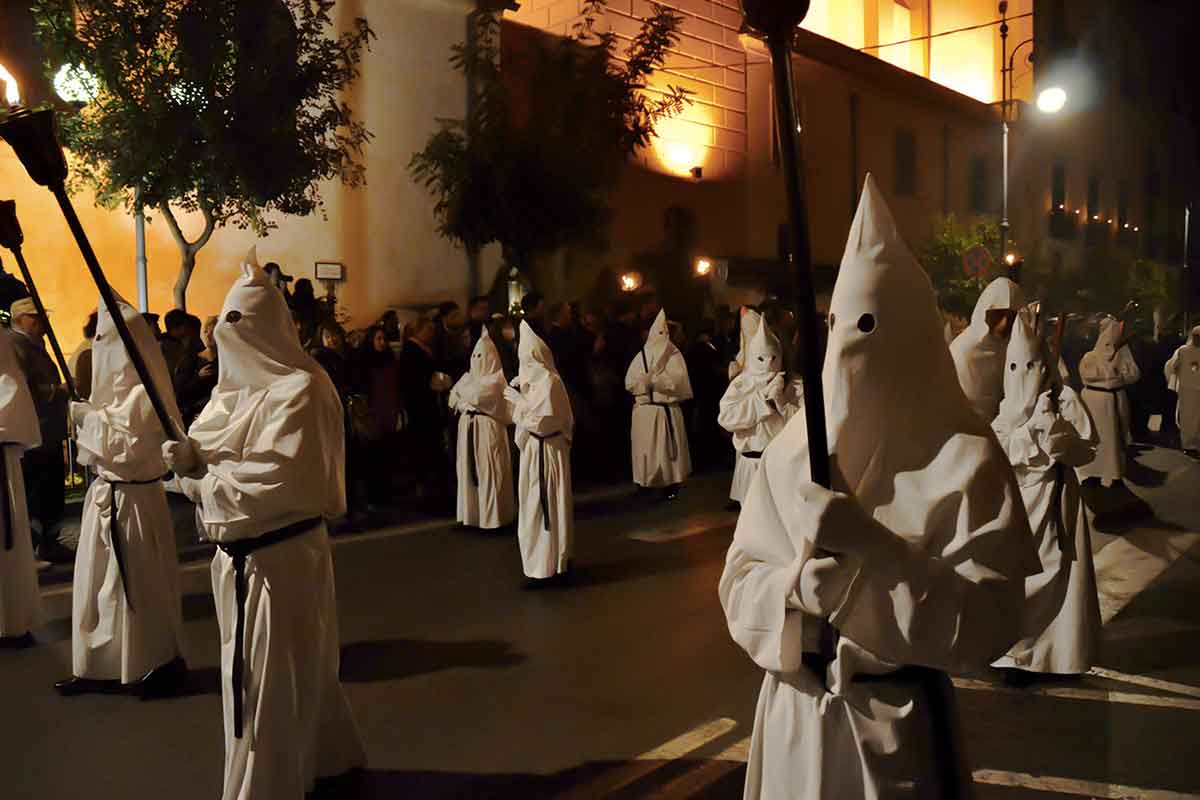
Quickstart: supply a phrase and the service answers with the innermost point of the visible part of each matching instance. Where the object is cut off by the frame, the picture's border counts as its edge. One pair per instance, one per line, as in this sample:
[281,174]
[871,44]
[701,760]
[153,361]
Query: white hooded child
[658,380]
[978,351]
[1105,372]
[1061,632]
[1183,378]
[545,426]
[126,619]
[753,408]
[264,465]
[485,485]
[20,598]
[747,325]
[918,557]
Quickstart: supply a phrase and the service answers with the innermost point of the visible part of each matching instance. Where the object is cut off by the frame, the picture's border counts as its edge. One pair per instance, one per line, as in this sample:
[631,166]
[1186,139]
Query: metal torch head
[10,229]
[774,17]
[33,135]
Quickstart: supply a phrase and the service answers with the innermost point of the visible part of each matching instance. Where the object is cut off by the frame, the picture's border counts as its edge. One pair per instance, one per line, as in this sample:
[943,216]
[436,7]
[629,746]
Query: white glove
[182,458]
[823,584]
[1043,416]
[774,390]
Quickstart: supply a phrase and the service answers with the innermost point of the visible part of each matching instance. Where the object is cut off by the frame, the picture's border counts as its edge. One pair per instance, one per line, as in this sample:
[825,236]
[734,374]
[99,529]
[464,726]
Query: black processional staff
[776,21]
[33,137]
[11,237]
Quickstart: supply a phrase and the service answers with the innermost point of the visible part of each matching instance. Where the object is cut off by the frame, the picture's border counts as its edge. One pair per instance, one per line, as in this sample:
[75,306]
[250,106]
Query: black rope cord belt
[672,445]
[1103,389]
[7,511]
[114,530]
[471,448]
[754,454]
[239,551]
[543,503]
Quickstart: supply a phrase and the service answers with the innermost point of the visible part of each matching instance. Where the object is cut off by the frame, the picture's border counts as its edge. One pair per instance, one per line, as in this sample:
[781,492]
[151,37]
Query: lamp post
[1050,101]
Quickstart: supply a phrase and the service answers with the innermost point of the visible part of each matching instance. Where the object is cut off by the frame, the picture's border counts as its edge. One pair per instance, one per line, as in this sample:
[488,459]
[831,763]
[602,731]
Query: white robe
[123,628]
[272,447]
[545,549]
[1183,378]
[20,599]
[1109,410]
[660,450]
[931,543]
[484,415]
[754,421]
[1061,630]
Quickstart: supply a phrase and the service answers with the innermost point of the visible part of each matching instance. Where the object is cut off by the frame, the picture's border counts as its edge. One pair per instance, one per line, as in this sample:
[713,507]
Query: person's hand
[208,370]
[77,411]
[1043,413]
[774,390]
[513,396]
[182,458]
[823,583]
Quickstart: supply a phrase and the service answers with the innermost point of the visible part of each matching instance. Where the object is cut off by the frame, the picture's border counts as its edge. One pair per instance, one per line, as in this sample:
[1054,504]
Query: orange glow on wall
[681,143]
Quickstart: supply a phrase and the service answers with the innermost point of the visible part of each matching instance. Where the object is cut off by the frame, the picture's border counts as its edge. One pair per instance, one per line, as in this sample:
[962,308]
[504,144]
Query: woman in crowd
[378,382]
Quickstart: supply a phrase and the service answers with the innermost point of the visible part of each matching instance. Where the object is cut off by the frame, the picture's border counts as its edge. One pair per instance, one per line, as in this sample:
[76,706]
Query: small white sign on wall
[330,271]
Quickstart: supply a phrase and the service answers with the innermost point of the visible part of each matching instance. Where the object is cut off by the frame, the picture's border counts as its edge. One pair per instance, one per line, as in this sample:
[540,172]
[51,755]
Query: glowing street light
[1010,259]
[630,281]
[703,267]
[1052,100]
[12,93]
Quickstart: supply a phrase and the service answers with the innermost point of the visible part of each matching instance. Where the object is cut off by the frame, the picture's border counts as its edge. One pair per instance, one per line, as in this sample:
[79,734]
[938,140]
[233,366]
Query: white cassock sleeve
[125,439]
[543,412]
[1096,370]
[672,384]
[743,408]
[486,394]
[1019,442]
[290,468]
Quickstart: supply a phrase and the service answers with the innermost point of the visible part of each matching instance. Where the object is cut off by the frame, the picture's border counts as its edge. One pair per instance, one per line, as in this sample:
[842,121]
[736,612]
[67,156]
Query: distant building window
[906,164]
[1093,200]
[1058,187]
[979,187]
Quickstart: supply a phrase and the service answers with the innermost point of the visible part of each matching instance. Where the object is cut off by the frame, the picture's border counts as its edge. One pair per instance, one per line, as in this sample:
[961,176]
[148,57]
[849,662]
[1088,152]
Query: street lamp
[1049,101]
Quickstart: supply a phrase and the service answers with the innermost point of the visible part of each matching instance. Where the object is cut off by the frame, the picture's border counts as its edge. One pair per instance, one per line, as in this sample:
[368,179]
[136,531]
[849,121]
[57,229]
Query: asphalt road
[623,683]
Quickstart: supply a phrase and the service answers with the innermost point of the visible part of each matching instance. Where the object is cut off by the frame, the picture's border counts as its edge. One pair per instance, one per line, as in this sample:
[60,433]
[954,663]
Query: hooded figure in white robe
[1183,378]
[1105,372]
[126,618]
[658,380]
[753,408]
[264,465]
[918,557]
[20,599]
[485,485]
[545,426]
[1061,633]
[978,351]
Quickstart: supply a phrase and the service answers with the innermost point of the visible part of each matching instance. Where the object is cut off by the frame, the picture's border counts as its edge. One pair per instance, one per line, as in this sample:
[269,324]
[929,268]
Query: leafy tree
[225,107]
[942,258]
[546,138]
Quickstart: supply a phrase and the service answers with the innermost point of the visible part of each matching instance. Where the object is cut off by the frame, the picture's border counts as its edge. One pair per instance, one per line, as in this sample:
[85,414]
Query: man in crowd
[533,308]
[172,342]
[478,314]
[80,362]
[43,467]
[420,384]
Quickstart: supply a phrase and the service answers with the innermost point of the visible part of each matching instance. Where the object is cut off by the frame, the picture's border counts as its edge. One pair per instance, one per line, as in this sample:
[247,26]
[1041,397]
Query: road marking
[1075,693]
[613,781]
[694,781]
[1046,783]
[1142,680]
[691,526]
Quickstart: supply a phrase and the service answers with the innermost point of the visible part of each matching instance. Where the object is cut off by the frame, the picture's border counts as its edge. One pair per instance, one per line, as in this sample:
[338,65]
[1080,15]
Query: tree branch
[210,225]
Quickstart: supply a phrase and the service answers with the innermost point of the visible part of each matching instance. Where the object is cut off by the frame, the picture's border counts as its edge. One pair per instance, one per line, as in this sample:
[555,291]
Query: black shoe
[165,681]
[21,642]
[73,687]
[55,552]
[671,492]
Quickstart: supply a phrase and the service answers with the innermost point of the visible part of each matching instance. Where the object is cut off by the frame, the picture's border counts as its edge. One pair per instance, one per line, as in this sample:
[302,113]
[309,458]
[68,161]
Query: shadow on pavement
[392,659]
[712,780]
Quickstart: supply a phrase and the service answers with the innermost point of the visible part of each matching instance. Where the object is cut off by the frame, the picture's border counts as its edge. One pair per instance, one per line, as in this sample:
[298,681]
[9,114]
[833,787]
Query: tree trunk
[186,264]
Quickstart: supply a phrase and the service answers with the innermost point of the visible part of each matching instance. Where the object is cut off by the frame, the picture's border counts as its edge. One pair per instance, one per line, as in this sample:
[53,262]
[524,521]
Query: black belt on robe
[114,531]
[1103,389]
[7,512]
[672,448]
[754,454]
[543,504]
[472,468]
[239,551]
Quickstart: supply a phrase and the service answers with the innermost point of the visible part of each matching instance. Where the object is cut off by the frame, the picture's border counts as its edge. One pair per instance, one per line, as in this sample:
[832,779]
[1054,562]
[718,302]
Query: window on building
[979,188]
[1058,187]
[906,164]
[1093,200]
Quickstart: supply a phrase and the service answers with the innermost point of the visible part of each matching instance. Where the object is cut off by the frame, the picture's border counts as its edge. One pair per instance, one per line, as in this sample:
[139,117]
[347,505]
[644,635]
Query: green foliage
[942,258]
[1110,278]
[229,107]
[531,165]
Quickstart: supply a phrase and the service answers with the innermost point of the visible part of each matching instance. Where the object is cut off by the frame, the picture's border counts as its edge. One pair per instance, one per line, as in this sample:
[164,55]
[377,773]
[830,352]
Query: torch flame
[12,94]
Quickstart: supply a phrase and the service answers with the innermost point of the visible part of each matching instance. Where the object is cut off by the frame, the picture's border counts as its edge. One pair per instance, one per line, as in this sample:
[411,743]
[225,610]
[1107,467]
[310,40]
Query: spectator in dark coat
[422,383]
